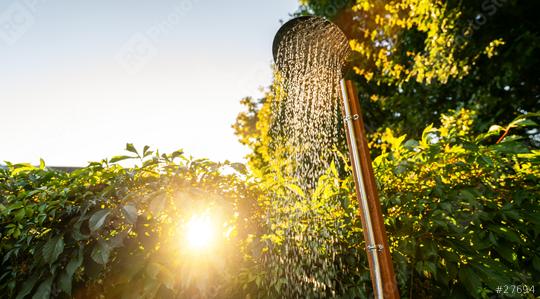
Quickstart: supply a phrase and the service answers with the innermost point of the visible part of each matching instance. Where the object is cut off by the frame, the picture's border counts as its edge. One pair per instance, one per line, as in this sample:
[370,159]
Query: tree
[416,59]
[437,81]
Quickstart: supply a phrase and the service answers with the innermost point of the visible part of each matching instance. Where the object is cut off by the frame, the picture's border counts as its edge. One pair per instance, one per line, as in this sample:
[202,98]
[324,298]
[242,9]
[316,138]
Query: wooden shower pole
[380,260]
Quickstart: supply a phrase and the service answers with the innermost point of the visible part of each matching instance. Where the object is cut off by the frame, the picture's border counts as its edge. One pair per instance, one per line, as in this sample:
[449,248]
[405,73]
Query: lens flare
[200,232]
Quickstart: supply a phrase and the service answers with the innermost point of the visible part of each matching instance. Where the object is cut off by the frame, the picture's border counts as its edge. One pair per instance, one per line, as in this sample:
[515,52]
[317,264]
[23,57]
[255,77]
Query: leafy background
[449,90]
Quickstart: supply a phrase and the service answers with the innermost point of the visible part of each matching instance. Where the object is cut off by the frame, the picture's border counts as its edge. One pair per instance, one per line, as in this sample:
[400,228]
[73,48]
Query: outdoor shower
[311,57]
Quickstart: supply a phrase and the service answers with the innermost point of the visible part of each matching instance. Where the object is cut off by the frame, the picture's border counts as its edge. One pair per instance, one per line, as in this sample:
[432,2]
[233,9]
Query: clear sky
[79,79]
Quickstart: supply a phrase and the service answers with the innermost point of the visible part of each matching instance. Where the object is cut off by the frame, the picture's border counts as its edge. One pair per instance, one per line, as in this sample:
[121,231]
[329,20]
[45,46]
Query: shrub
[461,212]
[109,231]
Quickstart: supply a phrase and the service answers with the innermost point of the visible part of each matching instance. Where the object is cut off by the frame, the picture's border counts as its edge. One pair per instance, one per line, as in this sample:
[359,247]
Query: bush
[109,231]
[461,212]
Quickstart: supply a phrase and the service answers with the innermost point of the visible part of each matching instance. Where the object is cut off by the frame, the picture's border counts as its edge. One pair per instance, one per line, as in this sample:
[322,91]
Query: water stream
[306,127]
[306,109]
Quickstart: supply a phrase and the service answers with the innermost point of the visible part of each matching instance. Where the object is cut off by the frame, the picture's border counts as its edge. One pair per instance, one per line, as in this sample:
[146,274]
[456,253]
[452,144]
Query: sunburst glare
[200,232]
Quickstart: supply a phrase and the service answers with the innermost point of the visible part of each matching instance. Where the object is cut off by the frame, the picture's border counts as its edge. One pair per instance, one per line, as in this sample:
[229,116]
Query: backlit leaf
[130,211]
[119,158]
[53,248]
[470,280]
[100,252]
[98,219]
[131,148]
[27,286]
[44,290]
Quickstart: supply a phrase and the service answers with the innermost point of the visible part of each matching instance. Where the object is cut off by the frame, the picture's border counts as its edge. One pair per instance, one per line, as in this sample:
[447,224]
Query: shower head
[311,31]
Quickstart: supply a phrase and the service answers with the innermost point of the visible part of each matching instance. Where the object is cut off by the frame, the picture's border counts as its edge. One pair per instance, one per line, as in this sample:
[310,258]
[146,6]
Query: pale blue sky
[79,79]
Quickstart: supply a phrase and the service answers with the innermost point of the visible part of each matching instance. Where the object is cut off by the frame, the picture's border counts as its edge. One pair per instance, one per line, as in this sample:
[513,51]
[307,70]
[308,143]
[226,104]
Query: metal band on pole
[370,240]
[380,261]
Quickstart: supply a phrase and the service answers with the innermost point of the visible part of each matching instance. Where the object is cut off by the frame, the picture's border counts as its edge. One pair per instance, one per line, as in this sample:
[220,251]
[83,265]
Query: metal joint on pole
[378,247]
[349,117]
[363,199]
[379,257]
[380,261]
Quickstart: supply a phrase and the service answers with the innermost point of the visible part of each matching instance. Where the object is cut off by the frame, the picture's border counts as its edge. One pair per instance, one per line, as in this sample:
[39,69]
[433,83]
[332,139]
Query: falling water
[306,109]
[306,127]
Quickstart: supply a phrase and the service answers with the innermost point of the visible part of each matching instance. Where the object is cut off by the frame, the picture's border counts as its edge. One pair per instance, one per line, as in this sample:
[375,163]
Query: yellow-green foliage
[414,60]
[105,231]
[382,24]
[461,213]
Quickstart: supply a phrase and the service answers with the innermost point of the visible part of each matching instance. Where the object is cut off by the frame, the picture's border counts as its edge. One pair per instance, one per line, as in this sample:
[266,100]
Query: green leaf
[425,134]
[66,278]
[65,281]
[119,158]
[76,232]
[22,169]
[145,151]
[429,249]
[75,262]
[296,189]
[151,162]
[44,290]
[130,211]
[97,219]
[100,252]
[131,148]
[27,286]
[506,252]
[157,204]
[467,195]
[536,263]
[241,168]
[486,161]
[118,240]
[52,249]
[177,153]
[446,206]
[411,144]
[495,128]
[511,236]
[470,280]
[430,267]
[396,142]
[523,122]
[333,169]
[511,147]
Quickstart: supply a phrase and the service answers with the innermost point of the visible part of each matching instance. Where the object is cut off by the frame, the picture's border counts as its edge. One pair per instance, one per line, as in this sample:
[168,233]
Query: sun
[200,232]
